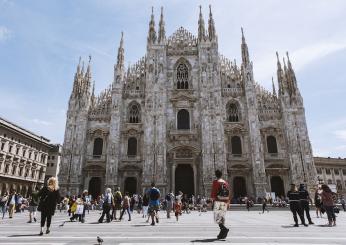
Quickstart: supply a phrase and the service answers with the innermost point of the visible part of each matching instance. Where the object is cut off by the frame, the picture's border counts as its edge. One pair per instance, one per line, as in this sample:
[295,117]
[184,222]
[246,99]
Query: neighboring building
[54,160]
[332,171]
[179,113]
[23,158]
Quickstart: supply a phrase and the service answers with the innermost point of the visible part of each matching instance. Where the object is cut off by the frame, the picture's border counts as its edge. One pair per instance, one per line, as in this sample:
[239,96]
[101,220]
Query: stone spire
[291,75]
[274,90]
[280,75]
[201,27]
[88,72]
[162,32]
[120,57]
[211,26]
[244,49]
[152,32]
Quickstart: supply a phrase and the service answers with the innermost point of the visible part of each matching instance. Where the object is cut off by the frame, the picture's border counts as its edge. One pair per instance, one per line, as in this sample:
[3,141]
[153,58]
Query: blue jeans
[123,211]
[330,213]
[3,210]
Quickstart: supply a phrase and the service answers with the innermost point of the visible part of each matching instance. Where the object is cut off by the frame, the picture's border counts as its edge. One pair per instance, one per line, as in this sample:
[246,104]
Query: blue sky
[41,41]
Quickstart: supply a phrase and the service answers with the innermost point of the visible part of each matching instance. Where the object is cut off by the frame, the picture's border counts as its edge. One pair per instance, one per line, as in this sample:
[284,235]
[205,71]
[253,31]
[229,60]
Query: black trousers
[306,209]
[45,216]
[296,209]
[106,210]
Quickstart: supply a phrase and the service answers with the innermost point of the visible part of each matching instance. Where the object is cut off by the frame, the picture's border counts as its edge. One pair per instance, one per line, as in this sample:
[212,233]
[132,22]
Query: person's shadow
[24,235]
[208,240]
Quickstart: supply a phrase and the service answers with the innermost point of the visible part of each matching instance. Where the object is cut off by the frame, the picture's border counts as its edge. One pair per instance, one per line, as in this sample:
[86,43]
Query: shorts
[32,208]
[220,209]
[153,208]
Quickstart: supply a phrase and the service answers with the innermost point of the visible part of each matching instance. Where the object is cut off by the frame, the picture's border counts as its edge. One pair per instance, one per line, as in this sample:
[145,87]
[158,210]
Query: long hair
[326,188]
[52,184]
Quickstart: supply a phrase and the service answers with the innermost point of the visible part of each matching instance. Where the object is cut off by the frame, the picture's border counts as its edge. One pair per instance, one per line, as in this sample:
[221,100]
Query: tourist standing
[221,197]
[304,202]
[3,204]
[107,204]
[33,204]
[264,205]
[318,201]
[154,203]
[49,198]
[294,201]
[126,206]
[328,204]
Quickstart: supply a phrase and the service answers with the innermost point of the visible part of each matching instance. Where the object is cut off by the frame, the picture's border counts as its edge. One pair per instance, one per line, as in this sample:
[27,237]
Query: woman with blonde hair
[49,198]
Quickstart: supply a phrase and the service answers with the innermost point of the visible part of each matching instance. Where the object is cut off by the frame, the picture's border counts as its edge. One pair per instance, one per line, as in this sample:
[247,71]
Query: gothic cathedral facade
[179,113]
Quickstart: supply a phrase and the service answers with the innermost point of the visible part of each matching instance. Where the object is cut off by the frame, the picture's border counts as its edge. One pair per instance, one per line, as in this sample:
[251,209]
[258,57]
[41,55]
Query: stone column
[174,166]
[194,179]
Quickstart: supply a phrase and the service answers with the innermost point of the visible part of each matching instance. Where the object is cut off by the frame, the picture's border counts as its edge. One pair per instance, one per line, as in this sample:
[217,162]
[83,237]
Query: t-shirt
[216,187]
[154,196]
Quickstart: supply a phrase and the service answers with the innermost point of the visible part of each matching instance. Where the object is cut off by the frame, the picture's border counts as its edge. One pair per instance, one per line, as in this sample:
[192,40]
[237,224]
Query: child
[177,208]
[77,209]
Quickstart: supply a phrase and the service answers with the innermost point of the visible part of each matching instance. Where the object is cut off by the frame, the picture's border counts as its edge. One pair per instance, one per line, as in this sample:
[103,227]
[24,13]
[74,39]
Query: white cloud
[41,122]
[5,33]
[340,134]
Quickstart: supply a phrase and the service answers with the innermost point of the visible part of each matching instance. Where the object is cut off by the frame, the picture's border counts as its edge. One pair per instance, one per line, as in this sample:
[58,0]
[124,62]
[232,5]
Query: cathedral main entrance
[130,185]
[184,179]
[239,187]
[277,186]
[95,187]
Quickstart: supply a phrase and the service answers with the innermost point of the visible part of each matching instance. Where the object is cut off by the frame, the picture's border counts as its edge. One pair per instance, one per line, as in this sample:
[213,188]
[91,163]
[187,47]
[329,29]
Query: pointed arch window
[134,113]
[132,147]
[183,119]
[98,147]
[233,113]
[272,145]
[236,146]
[182,76]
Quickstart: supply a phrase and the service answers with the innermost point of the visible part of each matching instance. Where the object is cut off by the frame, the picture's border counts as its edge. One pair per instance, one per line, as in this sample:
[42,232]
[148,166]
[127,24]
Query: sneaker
[41,233]
[311,223]
[296,225]
[306,225]
[47,231]
[224,234]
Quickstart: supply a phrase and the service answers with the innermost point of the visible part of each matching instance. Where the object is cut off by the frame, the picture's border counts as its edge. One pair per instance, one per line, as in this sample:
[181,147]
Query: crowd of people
[114,204]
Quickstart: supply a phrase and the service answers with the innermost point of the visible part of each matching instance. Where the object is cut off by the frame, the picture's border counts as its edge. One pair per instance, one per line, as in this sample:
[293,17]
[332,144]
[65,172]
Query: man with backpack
[154,203]
[221,197]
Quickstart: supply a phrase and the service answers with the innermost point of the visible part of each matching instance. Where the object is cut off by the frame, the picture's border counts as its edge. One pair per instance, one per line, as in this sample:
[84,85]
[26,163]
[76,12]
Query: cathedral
[181,112]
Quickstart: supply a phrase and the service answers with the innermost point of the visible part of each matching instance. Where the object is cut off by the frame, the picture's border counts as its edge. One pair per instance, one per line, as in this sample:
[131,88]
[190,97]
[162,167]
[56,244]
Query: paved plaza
[247,228]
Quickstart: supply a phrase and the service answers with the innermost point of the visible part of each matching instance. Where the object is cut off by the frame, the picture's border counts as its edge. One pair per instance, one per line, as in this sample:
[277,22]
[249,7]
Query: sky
[41,42]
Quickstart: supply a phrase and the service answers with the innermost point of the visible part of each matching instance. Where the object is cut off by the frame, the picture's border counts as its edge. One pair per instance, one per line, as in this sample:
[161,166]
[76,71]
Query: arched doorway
[95,187]
[239,187]
[130,185]
[184,179]
[277,185]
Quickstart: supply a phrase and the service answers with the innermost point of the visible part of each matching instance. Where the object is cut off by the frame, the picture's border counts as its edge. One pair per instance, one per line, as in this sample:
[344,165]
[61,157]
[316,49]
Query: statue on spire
[201,27]
[152,32]
[162,32]
[244,49]
[120,57]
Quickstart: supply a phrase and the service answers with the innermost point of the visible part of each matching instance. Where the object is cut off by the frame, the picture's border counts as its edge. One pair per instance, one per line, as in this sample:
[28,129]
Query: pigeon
[99,240]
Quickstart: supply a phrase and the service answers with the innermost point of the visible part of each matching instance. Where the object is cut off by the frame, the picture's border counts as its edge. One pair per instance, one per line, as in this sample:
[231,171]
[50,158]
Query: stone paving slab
[246,228]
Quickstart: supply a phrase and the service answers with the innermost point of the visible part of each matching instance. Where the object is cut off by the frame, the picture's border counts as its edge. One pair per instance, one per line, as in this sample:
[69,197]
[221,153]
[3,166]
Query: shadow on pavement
[288,226]
[207,240]
[24,235]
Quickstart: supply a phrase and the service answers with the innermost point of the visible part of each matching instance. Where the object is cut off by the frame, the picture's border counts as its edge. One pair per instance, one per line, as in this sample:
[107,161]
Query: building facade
[23,158]
[179,113]
[54,161]
[332,171]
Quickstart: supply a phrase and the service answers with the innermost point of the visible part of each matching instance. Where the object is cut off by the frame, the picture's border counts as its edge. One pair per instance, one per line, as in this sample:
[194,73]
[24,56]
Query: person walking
[49,197]
[117,203]
[33,204]
[304,202]
[177,208]
[294,201]
[264,205]
[169,203]
[126,206]
[11,203]
[328,204]
[154,203]
[221,196]
[145,206]
[86,202]
[3,204]
[106,207]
